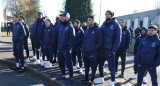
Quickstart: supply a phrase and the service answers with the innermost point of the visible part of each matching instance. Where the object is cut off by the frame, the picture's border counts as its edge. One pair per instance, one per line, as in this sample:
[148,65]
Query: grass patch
[4,34]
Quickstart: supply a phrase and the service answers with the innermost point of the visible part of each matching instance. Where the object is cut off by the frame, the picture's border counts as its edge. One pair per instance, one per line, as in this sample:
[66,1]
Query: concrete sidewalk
[47,75]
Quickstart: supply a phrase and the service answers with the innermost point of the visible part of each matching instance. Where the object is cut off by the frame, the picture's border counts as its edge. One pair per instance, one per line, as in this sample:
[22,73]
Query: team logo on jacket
[17,26]
[111,27]
[124,32]
[144,43]
[153,44]
[42,23]
[92,32]
[66,28]
[79,31]
[48,30]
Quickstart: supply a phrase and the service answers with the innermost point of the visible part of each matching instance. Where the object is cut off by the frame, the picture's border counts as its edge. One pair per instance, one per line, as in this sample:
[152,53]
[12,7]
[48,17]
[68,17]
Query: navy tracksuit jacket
[77,46]
[138,40]
[111,37]
[48,42]
[148,57]
[91,44]
[33,39]
[122,51]
[65,45]
[39,26]
[18,41]
[56,27]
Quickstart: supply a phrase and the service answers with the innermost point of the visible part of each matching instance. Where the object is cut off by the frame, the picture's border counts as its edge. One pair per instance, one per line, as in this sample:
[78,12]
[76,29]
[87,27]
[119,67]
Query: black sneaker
[91,83]
[84,82]
[15,68]
[21,70]
[54,61]
[121,76]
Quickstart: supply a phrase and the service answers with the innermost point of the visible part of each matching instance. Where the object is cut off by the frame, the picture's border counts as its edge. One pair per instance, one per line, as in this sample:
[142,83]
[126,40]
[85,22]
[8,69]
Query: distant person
[84,26]
[8,29]
[131,31]
[137,31]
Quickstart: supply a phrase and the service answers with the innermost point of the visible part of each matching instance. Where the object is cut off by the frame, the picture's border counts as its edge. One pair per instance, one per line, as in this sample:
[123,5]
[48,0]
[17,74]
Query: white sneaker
[144,80]
[40,58]
[77,65]
[74,68]
[80,70]
[36,62]
[134,76]
[42,63]
[33,58]
[83,73]
[99,81]
[112,84]
[48,65]
[27,60]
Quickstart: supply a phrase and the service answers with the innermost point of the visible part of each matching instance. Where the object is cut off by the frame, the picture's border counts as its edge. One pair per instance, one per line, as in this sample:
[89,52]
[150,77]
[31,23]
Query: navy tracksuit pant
[55,50]
[48,51]
[33,46]
[39,47]
[122,55]
[65,59]
[77,52]
[26,46]
[107,54]
[152,71]
[90,60]
[136,67]
[18,51]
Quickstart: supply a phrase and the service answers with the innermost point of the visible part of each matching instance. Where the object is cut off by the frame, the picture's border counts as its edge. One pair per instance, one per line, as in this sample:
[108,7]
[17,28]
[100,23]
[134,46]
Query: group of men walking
[92,46]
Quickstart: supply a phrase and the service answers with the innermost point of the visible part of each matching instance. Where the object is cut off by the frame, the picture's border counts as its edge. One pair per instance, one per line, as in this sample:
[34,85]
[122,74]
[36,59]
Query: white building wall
[128,23]
[145,21]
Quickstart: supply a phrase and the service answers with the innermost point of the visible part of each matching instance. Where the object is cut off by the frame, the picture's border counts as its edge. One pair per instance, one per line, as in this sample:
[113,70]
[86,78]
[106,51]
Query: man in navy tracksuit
[138,40]
[48,43]
[39,26]
[33,40]
[18,41]
[65,45]
[91,44]
[26,27]
[56,27]
[148,56]
[123,48]
[111,36]
[77,46]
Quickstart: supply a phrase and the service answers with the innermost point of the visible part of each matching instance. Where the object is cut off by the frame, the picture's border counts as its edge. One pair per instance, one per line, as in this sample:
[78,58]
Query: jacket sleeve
[98,39]
[71,35]
[157,61]
[81,39]
[136,46]
[128,39]
[16,35]
[23,32]
[140,46]
[117,38]
[53,36]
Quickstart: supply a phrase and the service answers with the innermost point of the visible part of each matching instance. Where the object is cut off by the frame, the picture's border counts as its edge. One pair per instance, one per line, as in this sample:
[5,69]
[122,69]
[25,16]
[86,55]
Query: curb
[34,73]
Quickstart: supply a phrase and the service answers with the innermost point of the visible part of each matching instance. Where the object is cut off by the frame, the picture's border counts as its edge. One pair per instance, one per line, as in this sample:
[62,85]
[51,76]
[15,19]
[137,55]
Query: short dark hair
[16,15]
[92,17]
[23,17]
[123,20]
[78,22]
[40,13]
[48,20]
[153,27]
